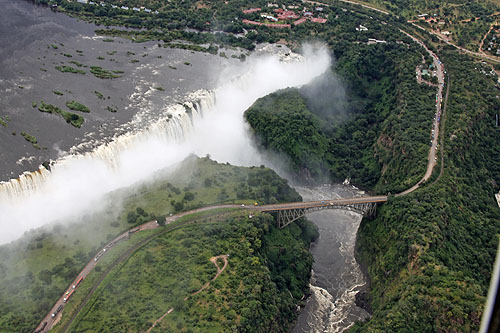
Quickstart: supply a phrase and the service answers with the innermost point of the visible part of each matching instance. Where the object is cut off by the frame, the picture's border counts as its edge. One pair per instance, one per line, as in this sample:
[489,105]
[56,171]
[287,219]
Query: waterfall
[176,123]
[207,122]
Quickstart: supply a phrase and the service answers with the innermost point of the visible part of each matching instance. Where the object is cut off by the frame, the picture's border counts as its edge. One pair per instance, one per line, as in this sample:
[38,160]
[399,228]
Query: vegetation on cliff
[430,254]
[384,113]
[267,272]
[35,270]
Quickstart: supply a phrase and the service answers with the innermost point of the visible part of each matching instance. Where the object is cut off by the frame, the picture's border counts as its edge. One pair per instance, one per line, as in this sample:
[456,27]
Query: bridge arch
[285,216]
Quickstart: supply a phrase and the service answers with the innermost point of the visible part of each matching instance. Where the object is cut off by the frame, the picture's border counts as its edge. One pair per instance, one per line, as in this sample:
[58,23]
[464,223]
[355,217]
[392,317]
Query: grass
[3,122]
[98,94]
[72,118]
[31,139]
[76,63]
[69,69]
[171,267]
[101,73]
[74,105]
[61,250]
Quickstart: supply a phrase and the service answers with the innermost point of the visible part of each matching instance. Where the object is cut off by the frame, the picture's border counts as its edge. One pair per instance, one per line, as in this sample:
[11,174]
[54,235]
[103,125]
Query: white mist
[78,183]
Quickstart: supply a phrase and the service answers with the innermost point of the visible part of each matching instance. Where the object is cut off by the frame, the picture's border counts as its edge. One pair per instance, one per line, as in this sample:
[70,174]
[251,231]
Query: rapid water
[119,151]
[336,276]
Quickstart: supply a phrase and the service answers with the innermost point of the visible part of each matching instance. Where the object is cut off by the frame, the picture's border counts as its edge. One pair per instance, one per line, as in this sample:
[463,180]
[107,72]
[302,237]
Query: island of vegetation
[72,118]
[74,105]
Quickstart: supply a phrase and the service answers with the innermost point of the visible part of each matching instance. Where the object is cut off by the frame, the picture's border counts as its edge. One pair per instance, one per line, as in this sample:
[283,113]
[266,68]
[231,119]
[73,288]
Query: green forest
[431,253]
[267,273]
[36,269]
[428,254]
[384,113]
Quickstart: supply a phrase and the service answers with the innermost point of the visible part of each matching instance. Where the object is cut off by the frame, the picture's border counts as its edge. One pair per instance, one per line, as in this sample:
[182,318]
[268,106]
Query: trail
[219,271]
[475,54]
[123,257]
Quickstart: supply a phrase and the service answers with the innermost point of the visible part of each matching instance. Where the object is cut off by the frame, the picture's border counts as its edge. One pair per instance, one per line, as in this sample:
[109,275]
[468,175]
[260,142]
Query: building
[269,17]
[318,20]
[300,21]
[251,10]
[289,14]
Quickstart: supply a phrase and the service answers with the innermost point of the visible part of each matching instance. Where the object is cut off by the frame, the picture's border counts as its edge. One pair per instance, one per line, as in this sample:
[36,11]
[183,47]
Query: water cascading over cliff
[207,123]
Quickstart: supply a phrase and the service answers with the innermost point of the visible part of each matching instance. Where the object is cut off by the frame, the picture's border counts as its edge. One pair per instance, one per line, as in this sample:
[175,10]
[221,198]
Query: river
[336,276]
[34,40]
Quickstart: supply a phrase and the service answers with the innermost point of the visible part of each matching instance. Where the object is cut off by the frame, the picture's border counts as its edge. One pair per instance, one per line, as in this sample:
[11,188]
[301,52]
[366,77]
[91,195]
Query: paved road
[51,321]
[433,139]
[476,54]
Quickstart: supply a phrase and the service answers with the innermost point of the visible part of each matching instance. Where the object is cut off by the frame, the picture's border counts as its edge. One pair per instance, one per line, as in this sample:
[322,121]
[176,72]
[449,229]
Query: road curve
[83,274]
[476,54]
[432,156]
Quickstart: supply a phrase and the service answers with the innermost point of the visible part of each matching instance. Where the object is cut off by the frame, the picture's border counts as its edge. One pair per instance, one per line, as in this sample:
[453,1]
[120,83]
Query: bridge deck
[318,204]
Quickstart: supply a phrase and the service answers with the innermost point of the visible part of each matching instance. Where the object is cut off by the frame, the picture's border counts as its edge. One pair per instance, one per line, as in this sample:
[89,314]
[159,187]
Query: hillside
[267,271]
[430,253]
[35,270]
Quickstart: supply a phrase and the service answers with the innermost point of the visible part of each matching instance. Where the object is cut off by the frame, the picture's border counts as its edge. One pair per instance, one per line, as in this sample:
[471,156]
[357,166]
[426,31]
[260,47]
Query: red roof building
[318,20]
[288,15]
[251,10]
[269,25]
[302,20]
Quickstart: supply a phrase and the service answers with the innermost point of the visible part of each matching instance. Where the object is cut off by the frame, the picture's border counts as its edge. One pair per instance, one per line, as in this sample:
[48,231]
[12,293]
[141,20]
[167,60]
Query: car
[242,205]
[322,201]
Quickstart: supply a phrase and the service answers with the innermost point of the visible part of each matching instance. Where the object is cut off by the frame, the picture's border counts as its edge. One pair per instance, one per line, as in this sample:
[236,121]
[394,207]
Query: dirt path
[484,38]
[476,54]
[219,271]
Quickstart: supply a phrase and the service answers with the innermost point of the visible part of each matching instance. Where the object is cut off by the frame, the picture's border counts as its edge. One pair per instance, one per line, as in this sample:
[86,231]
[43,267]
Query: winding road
[432,156]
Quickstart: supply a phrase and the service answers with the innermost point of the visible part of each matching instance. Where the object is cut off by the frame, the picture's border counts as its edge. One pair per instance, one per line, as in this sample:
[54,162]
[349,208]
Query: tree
[131,217]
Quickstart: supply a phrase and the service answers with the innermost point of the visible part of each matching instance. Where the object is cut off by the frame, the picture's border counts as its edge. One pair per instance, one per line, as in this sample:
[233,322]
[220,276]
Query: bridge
[289,212]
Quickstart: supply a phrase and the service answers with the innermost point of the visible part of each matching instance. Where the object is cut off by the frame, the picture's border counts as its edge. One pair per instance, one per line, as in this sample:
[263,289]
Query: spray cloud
[78,183]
